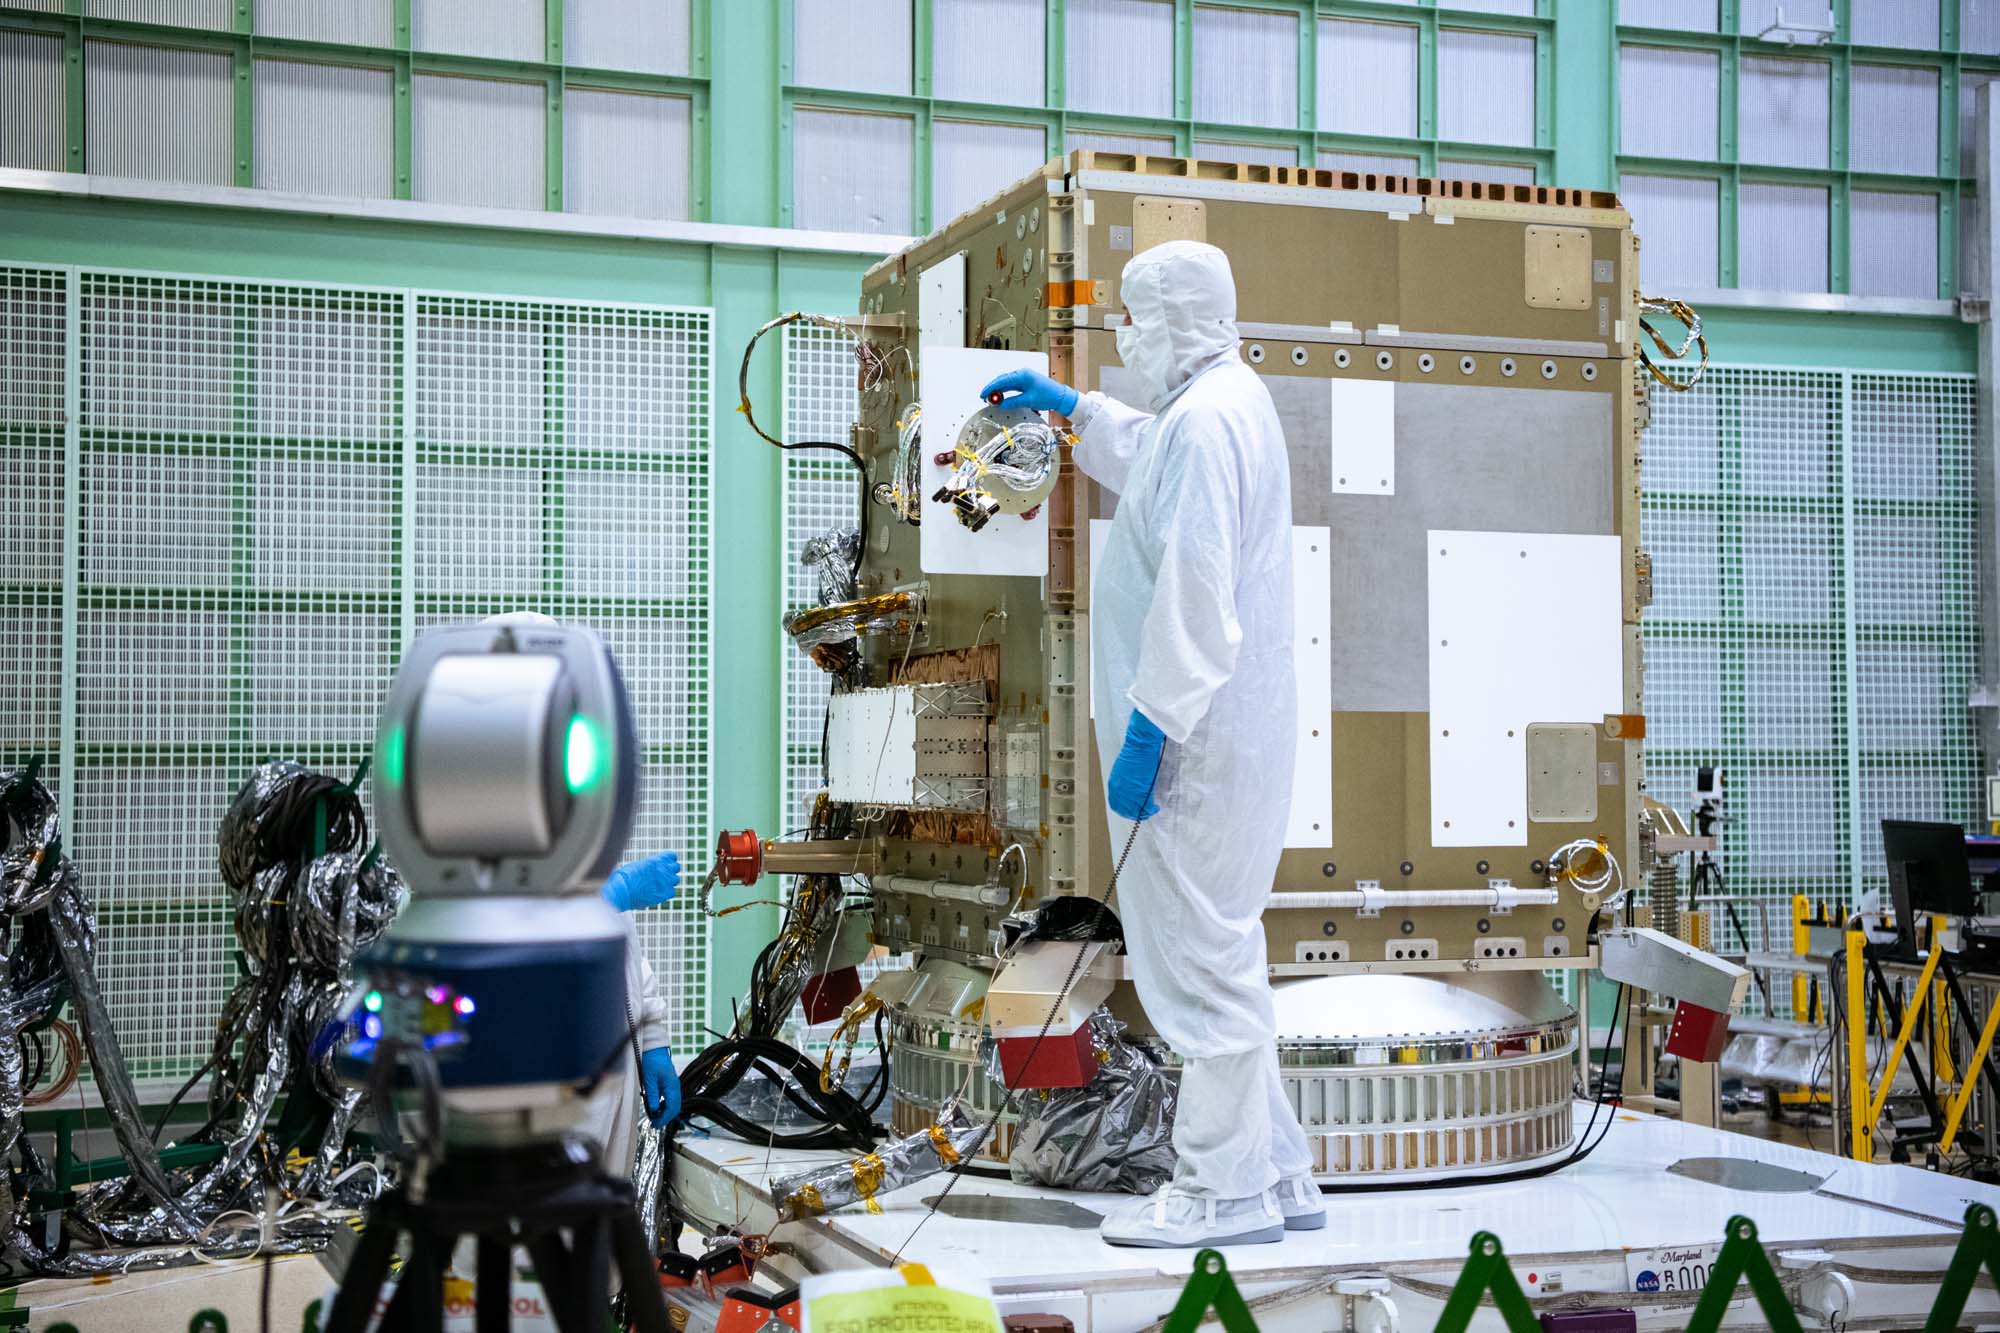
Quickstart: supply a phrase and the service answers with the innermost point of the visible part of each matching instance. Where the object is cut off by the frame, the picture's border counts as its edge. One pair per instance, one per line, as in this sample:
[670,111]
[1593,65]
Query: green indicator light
[372,1002]
[585,755]
[392,756]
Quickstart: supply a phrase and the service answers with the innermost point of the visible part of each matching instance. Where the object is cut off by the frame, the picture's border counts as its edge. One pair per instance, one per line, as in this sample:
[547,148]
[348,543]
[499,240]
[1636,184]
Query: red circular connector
[739,857]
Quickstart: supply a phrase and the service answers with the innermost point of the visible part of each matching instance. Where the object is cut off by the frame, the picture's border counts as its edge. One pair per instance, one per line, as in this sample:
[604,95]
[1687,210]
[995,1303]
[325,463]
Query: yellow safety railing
[1930,995]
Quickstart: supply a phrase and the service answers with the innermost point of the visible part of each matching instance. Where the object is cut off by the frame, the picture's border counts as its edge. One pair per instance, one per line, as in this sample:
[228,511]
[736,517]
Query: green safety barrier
[1487,1273]
[1210,1288]
[1978,1247]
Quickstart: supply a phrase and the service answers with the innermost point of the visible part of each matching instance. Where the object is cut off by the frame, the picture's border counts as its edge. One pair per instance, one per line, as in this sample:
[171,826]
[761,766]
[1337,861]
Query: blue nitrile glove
[662,1086]
[646,883]
[1031,389]
[1130,786]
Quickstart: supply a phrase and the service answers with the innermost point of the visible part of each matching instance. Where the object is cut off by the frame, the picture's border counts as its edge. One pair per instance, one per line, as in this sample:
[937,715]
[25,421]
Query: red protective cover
[828,994]
[1059,1062]
[1698,1033]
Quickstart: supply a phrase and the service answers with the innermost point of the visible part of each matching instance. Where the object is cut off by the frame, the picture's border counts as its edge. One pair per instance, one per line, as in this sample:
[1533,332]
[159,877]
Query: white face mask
[1148,354]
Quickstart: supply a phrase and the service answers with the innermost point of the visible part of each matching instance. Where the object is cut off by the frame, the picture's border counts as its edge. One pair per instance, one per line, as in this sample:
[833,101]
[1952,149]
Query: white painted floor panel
[1623,1197]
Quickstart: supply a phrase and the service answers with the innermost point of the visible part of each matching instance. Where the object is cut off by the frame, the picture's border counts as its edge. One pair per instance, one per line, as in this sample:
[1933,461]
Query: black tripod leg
[593,1296]
[361,1285]
[644,1305]
[495,1285]
[552,1260]
[419,1303]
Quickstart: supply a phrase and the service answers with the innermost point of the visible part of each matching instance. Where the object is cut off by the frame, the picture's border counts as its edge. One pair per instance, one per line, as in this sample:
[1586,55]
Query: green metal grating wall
[1815,624]
[231,503]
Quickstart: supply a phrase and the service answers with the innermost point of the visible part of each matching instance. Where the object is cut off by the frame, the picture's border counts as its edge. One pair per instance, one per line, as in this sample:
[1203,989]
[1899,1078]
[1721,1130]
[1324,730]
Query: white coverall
[615,1111]
[1191,623]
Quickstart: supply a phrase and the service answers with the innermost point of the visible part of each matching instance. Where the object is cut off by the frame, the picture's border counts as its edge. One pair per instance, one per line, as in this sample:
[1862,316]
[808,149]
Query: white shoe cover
[1302,1204]
[1171,1220]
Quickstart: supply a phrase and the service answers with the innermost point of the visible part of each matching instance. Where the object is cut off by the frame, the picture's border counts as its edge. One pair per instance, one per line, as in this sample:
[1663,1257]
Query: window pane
[1492,173]
[1893,241]
[175,13]
[1678,222]
[1119,143]
[506,29]
[1781,238]
[1367,75]
[1783,111]
[32,132]
[292,106]
[1667,102]
[1246,67]
[1246,152]
[963,64]
[477,141]
[646,35]
[1894,23]
[1801,16]
[1486,87]
[1525,8]
[625,154]
[1138,35]
[1969,84]
[852,172]
[158,113]
[1893,119]
[360,22]
[974,161]
[1380,164]
[1693,15]
[862,45]
[1979,27]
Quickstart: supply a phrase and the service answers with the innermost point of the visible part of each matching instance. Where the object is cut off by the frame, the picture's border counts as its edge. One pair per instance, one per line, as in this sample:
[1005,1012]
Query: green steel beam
[552,142]
[1585,95]
[73,83]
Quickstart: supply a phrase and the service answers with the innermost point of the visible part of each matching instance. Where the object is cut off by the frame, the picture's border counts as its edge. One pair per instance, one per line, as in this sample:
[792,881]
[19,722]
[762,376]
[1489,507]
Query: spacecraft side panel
[1502,422]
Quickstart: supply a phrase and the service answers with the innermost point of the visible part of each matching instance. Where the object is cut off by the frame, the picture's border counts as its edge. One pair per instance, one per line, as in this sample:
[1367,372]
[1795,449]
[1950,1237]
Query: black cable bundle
[847,1121]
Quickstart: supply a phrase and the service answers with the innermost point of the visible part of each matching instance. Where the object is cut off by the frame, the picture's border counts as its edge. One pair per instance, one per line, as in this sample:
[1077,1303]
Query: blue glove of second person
[661,1083]
[1031,389]
[646,883]
[1130,786]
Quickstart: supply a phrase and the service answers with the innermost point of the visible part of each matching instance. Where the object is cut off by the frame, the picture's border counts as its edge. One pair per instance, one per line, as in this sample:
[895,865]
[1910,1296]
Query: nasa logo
[1647,1281]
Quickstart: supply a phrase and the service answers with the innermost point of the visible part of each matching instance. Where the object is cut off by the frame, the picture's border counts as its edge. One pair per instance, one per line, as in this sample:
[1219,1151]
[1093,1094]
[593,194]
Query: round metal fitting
[1426,363]
[1384,361]
[1256,354]
[1298,356]
[1590,372]
[1548,370]
[1329,928]
[1341,358]
[1466,365]
[1507,366]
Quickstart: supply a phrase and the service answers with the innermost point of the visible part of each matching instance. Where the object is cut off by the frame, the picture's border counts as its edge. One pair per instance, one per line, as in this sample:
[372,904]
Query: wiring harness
[307,893]
[1690,323]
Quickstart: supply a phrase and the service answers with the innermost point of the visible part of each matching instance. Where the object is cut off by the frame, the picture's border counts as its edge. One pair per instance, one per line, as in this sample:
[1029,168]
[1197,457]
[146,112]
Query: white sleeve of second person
[1191,636]
[649,1007]
[1108,437]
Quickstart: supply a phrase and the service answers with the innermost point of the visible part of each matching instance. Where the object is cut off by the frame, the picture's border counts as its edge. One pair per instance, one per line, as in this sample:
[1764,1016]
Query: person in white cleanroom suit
[1192,686]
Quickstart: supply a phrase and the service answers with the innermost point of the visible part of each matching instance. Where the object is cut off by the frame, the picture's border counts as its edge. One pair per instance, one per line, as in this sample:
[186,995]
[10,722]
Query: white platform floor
[1580,1222]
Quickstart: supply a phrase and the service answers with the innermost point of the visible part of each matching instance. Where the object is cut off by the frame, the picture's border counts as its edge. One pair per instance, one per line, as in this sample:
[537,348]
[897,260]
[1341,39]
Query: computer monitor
[1928,872]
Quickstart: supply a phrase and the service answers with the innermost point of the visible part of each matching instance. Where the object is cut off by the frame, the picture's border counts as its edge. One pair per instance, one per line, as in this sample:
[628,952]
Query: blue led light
[371,1027]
